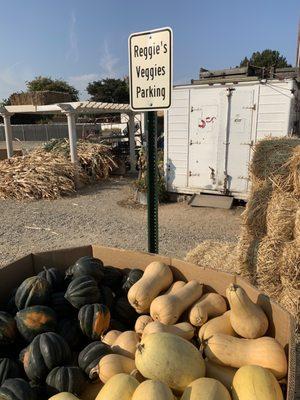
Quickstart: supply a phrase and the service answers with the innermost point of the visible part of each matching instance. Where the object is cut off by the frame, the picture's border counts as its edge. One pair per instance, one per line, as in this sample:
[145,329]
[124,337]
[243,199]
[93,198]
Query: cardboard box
[282,325]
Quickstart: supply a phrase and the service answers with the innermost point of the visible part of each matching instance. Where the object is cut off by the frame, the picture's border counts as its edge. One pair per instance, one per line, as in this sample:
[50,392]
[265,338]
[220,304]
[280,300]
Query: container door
[203,138]
[240,135]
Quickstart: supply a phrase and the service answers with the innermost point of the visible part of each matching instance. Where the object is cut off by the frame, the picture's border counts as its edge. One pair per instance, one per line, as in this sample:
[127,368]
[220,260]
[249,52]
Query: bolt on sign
[150,69]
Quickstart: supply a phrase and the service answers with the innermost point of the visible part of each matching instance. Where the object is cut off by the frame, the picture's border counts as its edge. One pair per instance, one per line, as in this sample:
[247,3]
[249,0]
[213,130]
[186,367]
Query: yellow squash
[114,364]
[119,387]
[252,382]
[210,305]
[182,329]
[206,389]
[219,324]
[153,390]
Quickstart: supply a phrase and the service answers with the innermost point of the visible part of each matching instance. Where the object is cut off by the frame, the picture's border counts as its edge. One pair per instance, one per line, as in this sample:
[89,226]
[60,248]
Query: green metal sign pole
[152,194]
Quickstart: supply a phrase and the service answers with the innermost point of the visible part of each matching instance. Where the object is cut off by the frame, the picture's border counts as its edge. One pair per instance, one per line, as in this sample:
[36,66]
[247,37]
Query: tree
[40,83]
[266,58]
[109,90]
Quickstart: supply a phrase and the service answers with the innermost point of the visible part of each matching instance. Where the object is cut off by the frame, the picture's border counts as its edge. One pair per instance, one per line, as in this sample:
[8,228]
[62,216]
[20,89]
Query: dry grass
[290,264]
[268,266]
[36,176]
[281,216]
[47,173]
[247,248]
[270,157]
[214,254]
[255,214]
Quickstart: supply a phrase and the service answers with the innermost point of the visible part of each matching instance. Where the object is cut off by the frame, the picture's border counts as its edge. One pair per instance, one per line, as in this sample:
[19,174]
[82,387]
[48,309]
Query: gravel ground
[98,215]
[95,215]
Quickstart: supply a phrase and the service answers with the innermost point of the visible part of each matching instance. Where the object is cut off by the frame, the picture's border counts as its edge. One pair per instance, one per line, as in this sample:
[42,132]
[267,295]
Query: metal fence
[44,132]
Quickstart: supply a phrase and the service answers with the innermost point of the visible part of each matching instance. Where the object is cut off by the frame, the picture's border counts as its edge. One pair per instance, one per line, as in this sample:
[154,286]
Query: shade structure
[71,109]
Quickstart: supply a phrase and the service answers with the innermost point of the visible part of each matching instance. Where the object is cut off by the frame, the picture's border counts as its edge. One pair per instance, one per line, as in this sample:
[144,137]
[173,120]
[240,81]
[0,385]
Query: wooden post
[131,136]
[72,136]
[8,134]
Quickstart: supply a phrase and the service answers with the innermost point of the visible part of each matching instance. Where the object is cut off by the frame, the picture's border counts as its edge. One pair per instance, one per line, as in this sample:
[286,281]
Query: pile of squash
[101,333]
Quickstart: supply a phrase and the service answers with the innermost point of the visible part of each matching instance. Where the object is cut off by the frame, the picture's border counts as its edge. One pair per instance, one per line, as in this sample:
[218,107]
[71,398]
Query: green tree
[266,58]
[40,83]
[109,90]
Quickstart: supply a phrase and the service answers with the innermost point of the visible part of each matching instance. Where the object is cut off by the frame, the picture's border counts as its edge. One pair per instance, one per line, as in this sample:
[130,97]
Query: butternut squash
[119,387]
[205,389]
[125,344]
[114,364]
[64,396]
[237,352]
[183,329]
[175,286]
[219,324]
[156,278]
[141,322]
[220,373]
[170,359]
[153,390]
[168,308]
[247,318]
[210,305]
[255,383]
[110,337]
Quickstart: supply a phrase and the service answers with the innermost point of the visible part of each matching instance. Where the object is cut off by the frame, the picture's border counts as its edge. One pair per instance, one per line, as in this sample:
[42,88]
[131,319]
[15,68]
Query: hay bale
[296,233]
[255,214]
[281,215]
[270,156]
[290,300]
[290,265]
[269,266]
[293,166]
[247,255]
[214,254]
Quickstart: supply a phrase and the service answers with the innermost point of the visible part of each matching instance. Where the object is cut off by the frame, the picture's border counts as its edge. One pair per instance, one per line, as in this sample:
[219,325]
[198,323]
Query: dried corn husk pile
[95,159]
[47,173]
[268,251]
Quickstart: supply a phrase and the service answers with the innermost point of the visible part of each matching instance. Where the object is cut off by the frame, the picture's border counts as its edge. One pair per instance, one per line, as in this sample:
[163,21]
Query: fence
[44,132]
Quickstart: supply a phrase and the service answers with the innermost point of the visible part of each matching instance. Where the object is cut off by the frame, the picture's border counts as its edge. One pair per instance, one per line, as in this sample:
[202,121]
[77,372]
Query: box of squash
[95,323]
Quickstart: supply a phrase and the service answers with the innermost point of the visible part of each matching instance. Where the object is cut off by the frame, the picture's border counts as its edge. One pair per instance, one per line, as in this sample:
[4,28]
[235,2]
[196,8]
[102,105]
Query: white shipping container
[210,130]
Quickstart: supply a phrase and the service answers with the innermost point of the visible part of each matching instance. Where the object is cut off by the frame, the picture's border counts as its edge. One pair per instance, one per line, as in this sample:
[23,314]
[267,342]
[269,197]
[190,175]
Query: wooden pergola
[70,110]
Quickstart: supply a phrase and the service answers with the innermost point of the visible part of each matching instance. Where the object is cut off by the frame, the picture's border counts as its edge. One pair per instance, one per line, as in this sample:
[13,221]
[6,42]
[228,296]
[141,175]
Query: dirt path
[95,216]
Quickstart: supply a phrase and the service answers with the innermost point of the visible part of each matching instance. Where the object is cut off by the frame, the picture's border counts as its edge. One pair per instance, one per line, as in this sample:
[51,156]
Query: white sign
[150,69]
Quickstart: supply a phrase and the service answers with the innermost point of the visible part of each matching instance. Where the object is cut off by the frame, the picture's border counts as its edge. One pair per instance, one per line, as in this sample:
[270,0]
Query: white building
[214,122]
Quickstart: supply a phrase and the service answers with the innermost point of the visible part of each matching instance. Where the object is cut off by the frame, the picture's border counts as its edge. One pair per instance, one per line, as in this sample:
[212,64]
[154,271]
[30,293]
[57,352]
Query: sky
[86,40]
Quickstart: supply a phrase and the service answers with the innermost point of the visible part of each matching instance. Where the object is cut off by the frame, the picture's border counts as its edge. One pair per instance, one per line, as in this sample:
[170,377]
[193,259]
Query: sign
[150,69]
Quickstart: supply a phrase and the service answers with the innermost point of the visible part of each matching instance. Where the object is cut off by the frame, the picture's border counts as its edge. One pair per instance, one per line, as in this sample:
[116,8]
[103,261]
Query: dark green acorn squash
[11,307]
[70,330]
[66,379]
[118,325]
[33,291]
[86,266]
[54,277]
[45,352]
[124,312]
[113,277]
[131,278]
[94,320]
[90,356]
[61,305]
[107,296]
[9,369]
[17,389]
[35,320]
[8,329]
[83,290]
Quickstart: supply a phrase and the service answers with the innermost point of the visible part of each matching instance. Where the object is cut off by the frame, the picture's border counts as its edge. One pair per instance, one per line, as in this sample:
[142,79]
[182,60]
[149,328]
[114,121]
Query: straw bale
[247,254]
[270,156]
[255,214]
[290,265]
[281,216]
[296,233]
[290,300]
[214,254]
[293,166]
[269,266]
